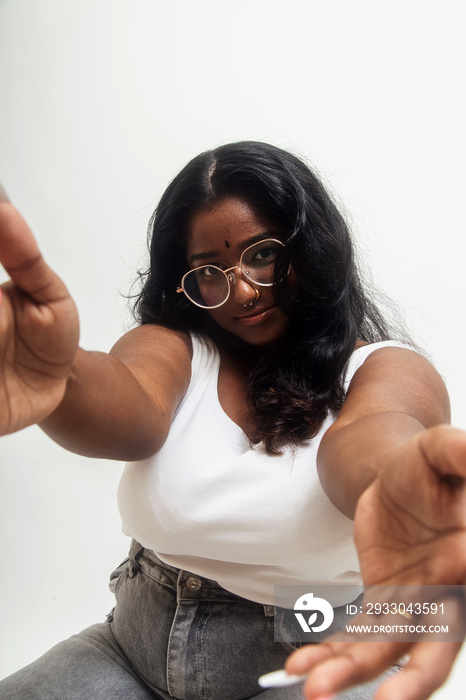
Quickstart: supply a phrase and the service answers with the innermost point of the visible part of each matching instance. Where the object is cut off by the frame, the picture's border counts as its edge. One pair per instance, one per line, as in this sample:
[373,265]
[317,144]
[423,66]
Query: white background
[103,101]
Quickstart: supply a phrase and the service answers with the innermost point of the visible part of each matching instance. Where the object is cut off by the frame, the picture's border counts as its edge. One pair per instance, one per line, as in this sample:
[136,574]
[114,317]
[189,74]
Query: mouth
[256,316]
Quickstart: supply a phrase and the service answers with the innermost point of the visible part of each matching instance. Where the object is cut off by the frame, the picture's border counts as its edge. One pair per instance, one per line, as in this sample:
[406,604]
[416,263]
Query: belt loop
[269,610]
[134,551]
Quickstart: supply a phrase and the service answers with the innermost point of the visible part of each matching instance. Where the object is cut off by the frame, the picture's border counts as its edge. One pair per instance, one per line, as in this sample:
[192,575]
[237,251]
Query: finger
[302,660]
[355,664]
[444,448]
[3,195]
[334,666]
[427,669]
[21,258]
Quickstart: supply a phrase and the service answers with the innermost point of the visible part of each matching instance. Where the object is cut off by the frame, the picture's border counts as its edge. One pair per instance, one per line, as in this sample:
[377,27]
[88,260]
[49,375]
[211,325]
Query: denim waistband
[188,586]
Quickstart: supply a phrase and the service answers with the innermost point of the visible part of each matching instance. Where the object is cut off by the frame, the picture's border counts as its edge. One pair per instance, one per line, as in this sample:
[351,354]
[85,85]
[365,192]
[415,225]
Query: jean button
[193,583]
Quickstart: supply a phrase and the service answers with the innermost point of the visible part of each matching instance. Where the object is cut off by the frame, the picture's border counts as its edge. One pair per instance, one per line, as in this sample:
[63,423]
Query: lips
[256,316]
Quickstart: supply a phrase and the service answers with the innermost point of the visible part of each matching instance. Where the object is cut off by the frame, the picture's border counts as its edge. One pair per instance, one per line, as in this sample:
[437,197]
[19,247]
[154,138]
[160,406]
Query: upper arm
[400,380]
[160,361]
[120,405]
[395,394]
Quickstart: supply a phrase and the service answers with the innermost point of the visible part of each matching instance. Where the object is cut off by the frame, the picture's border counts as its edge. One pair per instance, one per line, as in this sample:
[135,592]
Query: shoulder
[387,361]
[392,377]
[159,357]
[154,340]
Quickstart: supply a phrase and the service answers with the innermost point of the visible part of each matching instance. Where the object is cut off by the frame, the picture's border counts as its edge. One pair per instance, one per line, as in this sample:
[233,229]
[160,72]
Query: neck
[243,353]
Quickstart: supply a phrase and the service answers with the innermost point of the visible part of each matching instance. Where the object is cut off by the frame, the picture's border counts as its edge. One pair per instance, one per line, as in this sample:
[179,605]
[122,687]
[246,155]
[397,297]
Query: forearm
[105,412]
[351,457]
[393,396]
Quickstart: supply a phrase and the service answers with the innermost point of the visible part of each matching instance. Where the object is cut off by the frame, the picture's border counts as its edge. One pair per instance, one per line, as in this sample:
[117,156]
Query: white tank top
[211,504]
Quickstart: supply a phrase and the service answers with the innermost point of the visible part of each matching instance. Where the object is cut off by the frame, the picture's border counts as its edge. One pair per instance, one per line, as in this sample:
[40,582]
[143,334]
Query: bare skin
[262,323]
[39,328]
[390,442]
[410,529]
[117,405]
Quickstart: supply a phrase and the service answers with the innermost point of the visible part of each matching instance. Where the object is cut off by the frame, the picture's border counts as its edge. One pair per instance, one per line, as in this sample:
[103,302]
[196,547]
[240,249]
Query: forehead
[231,221]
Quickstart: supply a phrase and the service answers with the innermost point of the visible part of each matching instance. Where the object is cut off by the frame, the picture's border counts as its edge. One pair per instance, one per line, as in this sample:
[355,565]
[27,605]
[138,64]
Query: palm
[410,532]
[38,329]
[410,525]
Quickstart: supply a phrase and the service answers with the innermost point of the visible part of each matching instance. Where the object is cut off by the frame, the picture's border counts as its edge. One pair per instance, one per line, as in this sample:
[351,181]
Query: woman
[259,403]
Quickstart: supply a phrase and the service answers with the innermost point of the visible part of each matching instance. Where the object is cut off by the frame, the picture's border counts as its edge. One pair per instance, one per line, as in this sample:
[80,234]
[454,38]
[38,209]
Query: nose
[243,292]
[241,288]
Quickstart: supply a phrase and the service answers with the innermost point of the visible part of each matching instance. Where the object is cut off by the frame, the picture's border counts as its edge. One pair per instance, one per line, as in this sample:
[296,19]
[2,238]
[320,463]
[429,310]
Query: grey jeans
[172,634]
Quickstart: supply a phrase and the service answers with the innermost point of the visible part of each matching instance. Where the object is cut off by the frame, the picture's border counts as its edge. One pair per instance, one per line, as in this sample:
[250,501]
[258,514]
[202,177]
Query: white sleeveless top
[211,504]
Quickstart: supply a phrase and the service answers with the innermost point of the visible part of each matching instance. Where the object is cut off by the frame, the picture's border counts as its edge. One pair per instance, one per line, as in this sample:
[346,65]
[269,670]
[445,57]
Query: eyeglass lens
[209,286]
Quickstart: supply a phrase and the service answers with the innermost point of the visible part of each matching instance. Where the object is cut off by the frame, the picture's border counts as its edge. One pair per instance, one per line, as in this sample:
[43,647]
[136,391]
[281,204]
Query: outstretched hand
[39,328]
[410,530]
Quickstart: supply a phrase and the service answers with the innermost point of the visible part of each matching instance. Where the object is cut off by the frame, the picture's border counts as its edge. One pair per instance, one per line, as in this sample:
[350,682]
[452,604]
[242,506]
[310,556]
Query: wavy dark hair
[295,384]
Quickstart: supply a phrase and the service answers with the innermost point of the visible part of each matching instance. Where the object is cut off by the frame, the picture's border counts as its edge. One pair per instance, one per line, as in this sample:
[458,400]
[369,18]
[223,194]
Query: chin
[263,337]
[265,333]
[263,341]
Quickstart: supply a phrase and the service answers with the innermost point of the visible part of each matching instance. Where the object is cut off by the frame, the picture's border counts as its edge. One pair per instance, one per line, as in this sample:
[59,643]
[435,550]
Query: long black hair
[295,384]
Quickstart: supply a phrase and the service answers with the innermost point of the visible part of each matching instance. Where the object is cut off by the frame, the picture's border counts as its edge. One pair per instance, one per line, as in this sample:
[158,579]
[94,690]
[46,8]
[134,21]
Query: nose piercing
[253,301]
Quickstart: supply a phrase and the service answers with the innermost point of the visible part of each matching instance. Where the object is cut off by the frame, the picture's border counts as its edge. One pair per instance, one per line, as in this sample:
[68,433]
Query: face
[217,236]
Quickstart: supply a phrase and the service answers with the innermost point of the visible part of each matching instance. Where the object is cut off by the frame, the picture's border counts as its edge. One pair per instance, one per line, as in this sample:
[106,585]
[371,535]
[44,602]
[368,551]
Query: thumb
[3,195]
[21,257]
[444,448]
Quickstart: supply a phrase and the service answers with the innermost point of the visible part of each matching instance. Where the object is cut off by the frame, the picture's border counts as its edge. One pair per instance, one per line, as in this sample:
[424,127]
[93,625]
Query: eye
[266,255]
[208,272]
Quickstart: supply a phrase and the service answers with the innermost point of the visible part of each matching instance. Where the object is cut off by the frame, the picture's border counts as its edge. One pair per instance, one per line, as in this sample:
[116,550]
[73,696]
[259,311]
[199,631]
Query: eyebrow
[205,255]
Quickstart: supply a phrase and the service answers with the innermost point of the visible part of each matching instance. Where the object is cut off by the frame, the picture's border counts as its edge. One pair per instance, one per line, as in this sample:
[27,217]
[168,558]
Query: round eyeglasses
[208,286]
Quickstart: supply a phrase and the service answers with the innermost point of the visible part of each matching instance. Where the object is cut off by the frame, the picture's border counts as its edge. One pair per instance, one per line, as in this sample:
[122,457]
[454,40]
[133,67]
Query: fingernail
[279,679]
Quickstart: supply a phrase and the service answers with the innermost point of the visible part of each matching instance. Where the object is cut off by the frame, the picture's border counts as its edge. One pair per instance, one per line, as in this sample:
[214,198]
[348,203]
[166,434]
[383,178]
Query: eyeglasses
[208,286]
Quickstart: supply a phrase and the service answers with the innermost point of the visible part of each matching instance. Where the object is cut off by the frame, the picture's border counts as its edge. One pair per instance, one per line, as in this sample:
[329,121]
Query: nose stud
[253,301]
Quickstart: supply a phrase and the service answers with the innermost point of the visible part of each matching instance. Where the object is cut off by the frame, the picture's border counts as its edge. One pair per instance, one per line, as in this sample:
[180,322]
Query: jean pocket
[285,634]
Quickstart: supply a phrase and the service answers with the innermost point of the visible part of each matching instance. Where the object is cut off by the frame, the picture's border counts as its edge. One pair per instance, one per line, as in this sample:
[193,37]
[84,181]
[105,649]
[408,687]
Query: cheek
[219,315]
